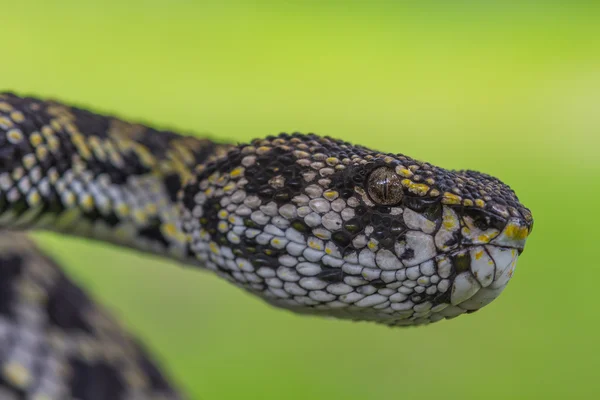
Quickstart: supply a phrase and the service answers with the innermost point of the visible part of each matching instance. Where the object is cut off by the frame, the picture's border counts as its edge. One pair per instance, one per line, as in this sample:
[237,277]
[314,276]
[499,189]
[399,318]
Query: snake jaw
[499,264]
[502,267]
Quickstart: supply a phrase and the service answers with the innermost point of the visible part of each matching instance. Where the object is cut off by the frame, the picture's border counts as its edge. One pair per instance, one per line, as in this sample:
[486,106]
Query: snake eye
[384,187]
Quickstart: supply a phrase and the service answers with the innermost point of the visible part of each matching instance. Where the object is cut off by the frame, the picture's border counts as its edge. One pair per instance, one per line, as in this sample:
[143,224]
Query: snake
[311,224]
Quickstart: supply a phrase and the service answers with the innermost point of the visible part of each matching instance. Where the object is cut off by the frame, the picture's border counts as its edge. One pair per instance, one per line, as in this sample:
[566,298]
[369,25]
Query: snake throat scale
[311,224]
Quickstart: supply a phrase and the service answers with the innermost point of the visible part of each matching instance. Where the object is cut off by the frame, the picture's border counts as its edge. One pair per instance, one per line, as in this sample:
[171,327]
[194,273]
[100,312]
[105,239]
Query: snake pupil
[384,187]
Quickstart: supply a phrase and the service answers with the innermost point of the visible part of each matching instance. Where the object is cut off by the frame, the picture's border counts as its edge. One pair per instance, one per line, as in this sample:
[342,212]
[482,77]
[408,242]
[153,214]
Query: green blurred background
[513,90]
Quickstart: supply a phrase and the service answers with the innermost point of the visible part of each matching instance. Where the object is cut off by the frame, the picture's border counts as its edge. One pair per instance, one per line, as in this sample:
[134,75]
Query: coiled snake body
[311,224]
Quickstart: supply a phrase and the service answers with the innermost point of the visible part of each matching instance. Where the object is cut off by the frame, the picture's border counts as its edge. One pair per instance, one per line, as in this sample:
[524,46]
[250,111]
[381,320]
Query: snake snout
[514,234]
[501,255]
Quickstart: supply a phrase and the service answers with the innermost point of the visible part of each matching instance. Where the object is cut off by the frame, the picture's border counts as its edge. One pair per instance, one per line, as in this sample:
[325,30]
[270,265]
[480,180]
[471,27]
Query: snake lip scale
[312,224]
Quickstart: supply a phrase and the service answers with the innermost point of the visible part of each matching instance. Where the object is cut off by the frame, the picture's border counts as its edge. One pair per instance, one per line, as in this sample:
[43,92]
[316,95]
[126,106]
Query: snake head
[320,226]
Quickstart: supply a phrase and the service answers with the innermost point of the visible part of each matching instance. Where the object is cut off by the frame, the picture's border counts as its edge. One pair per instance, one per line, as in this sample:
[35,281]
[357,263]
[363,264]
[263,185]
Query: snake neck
[72,171]
[309,223]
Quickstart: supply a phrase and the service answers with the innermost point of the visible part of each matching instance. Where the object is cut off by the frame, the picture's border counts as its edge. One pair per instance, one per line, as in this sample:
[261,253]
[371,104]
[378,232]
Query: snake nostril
[530,226]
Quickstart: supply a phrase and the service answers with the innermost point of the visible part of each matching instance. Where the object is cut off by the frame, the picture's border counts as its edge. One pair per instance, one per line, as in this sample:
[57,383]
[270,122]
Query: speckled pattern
[320,226]
[56,343]
[308,223]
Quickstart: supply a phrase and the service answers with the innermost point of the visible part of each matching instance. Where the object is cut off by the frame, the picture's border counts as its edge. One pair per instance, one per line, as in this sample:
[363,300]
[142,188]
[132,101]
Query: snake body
[308,223]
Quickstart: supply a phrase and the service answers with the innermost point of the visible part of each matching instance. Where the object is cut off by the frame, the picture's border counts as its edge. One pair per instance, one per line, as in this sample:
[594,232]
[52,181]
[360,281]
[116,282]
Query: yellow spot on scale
[479,254]
[468,202]
[479,203]
[140,217]
[34,198]
[222,180]
[404,172]
[301,154]
[17,374]
[17,116]
[35,139]
[419,189]
[116,159]
[237,172]
[229,187]
[97,148]
[331,194]
[213,178]
[4,106]
[6,122]
[372,245]
[145,156]
[81,146]
[14,136]
[29,161]
[53,176]
[169,229]
[516,232]
[314,245]
[223,214]
[55,124]
[484,238]
[87,202]
[186,155]
[321,235]
[214,248]
[47,131]
[18,173]
[223,226]
[69,199]
[123,209]
[276,241]
[451,198]
[416,188]
[263,150]
[53,143]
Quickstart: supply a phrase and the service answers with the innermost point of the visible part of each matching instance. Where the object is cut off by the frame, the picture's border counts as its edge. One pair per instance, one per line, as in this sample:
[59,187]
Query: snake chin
[465,281]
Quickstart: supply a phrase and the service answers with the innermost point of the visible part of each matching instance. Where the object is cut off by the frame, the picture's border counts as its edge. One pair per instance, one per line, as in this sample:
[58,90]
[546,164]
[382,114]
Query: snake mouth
[466,279]
[481,273]
[514,234]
